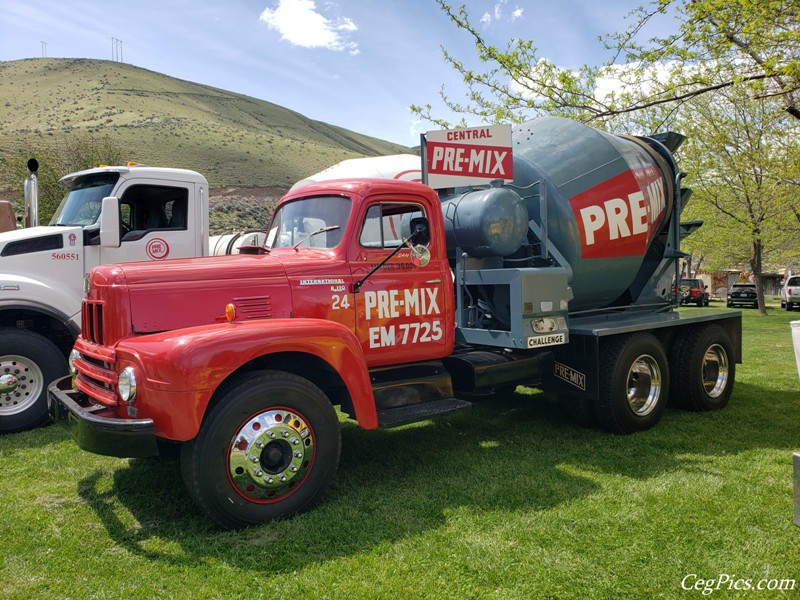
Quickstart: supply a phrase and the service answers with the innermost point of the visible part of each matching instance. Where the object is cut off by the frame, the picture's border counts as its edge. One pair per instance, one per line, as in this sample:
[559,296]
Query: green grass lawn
[507,500]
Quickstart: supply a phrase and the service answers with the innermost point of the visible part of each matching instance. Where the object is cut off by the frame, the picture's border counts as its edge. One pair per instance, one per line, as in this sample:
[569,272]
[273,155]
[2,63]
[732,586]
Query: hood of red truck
[183,293]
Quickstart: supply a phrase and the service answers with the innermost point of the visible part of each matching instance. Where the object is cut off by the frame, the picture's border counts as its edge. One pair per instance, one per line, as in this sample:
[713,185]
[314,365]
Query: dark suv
[692,291]
[742,294]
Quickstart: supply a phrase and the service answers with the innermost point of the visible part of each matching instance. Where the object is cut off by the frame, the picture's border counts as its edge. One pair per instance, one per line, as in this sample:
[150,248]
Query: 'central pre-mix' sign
[459,157]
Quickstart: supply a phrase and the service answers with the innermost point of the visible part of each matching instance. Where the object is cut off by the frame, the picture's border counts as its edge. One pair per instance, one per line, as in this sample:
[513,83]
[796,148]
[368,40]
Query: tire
[789,306]
[634,384]
[29,362]
[703,368]
[700,302]
[267,450]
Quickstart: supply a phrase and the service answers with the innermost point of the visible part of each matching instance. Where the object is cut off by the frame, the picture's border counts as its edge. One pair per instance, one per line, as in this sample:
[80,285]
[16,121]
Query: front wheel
[704,369]
[634,384]
[268,450]
[28,363]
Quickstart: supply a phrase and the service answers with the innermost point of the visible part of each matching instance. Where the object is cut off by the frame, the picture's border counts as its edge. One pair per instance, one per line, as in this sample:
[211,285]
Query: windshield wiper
[313,233]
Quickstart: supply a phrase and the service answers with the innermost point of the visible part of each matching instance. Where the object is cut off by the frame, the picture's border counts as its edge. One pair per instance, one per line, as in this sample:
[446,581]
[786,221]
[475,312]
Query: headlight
[73,356]
[126,384]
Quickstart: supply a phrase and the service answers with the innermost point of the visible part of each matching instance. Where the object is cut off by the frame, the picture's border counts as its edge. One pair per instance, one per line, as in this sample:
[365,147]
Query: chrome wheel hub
[716,370]
[271,454]
[21,384]
[644,385]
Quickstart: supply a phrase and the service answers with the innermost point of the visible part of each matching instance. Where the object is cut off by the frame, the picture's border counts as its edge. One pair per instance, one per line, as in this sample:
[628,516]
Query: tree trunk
[755,264]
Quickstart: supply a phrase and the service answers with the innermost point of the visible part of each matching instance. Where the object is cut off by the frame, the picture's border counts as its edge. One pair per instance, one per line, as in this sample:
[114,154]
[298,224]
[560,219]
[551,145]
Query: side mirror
[420,231]
[109,223]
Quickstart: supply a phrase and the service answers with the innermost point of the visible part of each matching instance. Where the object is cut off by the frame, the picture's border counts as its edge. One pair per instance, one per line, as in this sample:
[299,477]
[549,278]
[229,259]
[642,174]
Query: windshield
[316,222]
[84,199]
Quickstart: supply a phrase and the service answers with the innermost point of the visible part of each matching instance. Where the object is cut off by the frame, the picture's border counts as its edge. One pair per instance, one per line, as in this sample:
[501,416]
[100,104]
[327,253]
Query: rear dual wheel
[704,361]
[634,383]
[268,449]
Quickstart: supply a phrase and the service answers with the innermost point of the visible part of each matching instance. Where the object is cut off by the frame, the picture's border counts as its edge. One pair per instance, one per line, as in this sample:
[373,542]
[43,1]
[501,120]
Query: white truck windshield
[83,201]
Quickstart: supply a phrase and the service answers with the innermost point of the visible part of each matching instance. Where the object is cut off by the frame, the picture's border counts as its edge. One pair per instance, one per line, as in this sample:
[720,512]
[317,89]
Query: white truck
[159,213]
[790,292]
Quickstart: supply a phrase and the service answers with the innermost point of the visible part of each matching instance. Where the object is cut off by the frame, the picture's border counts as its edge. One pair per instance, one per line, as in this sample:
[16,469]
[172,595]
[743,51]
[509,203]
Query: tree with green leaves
[742,182]
[73,153]
[751,44]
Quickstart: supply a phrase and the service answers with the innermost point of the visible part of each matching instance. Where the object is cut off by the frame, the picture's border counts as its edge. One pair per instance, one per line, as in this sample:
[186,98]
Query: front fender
[183,368]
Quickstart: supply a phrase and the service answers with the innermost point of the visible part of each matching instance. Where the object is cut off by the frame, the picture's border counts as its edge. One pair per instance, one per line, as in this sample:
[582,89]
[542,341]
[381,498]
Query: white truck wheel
[28,363]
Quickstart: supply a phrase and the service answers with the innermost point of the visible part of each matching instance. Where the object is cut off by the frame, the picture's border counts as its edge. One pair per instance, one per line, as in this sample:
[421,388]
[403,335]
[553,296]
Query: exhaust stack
[32,194]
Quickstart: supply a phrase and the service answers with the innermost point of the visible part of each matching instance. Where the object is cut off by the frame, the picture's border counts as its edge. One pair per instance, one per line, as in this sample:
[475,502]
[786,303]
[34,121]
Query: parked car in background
[743,294]
[790,293]
[693,291]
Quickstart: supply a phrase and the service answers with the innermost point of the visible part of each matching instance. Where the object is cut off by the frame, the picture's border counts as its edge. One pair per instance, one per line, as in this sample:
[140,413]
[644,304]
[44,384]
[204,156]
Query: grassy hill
[236,141]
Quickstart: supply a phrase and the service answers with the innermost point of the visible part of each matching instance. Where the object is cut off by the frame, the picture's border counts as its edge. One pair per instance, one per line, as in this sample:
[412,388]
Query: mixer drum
[608,198]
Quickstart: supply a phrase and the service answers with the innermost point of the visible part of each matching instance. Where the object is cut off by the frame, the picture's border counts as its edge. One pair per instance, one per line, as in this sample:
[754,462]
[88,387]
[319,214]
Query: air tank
[483,223]
[607,199]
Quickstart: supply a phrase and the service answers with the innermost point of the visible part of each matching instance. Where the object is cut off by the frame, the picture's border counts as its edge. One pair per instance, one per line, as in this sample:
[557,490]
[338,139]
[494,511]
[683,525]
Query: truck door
[156,220]
[402,308]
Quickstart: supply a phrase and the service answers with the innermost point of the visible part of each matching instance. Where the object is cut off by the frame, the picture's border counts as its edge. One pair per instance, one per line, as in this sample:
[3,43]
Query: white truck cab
[108,215]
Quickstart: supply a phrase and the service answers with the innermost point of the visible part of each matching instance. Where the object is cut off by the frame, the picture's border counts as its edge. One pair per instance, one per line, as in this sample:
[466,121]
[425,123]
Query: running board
[392,417]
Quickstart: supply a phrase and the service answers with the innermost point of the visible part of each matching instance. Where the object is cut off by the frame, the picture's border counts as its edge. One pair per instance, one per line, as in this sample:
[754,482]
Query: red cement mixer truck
[395,303]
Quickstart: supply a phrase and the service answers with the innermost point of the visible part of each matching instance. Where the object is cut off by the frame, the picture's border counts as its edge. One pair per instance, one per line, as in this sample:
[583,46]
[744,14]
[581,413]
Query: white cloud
[301,24]
[497,13]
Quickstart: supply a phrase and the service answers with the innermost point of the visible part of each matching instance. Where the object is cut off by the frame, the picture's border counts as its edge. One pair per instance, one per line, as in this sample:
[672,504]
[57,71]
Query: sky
[357,64]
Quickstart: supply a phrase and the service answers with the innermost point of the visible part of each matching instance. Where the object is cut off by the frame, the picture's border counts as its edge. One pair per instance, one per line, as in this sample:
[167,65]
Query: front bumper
[94,427]
[742,302]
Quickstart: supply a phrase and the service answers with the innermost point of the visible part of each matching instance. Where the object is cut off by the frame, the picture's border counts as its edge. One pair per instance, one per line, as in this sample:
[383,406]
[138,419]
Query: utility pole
[116,50]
